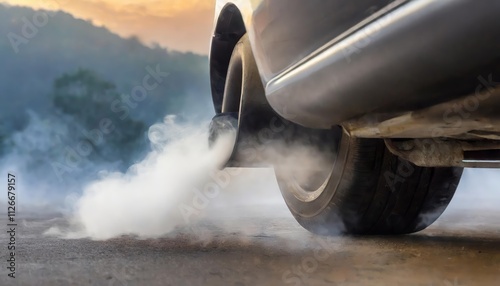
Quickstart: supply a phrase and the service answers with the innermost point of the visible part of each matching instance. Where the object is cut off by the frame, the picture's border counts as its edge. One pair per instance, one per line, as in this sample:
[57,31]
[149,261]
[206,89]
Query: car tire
[354,185]
[369,190]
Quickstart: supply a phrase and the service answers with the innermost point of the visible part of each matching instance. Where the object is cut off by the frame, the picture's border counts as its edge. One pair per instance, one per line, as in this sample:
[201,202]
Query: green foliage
[66,44]
[88,99]
[83,94]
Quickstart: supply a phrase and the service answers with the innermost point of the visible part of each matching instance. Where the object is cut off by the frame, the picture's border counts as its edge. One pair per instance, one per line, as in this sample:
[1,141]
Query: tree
[86,97]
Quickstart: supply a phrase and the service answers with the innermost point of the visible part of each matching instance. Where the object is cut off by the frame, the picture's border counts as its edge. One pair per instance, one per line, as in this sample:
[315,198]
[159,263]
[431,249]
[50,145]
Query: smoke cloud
[178,184]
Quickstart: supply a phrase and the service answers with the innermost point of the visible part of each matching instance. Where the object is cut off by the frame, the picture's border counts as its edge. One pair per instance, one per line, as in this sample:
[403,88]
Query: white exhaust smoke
[174,186]
[146,200]
[179,185]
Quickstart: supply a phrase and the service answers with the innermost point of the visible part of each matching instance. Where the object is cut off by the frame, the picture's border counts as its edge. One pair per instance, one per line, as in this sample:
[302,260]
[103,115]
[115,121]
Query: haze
[182,25]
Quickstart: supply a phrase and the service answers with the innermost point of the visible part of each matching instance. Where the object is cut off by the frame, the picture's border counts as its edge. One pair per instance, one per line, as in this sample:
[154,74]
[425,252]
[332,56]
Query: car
[394,97]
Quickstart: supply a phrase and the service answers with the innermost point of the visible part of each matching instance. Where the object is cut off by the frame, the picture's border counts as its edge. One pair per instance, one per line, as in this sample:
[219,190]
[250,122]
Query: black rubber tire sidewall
[361,199]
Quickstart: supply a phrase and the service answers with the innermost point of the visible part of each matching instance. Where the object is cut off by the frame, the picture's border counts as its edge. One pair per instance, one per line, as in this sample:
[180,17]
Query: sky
[182,25]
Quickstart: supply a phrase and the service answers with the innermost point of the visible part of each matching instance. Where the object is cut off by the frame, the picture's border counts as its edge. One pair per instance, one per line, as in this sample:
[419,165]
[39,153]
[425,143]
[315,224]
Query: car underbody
[412,81]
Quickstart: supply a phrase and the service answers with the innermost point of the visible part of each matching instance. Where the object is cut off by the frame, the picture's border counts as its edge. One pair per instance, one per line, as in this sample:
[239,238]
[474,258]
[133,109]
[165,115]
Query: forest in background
[71,82]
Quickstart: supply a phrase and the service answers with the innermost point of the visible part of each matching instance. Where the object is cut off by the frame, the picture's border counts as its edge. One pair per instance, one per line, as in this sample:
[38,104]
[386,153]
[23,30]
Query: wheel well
[229,29]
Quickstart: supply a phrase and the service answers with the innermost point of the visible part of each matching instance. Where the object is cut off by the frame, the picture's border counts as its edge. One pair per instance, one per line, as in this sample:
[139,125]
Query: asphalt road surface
[463,248]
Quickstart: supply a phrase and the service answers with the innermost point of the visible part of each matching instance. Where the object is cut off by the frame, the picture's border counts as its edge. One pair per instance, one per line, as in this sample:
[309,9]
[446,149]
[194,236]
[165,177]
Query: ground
[463,248]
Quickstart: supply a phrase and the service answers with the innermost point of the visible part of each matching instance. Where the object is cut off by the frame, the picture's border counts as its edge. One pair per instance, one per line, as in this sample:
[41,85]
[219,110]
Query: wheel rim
[307,183]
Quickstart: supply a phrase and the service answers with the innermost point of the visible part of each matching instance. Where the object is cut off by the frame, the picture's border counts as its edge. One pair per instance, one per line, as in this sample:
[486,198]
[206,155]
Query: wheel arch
[229,28]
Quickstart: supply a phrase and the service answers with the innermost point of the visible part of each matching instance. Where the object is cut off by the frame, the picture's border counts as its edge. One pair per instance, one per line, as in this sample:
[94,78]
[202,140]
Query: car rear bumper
[416,55]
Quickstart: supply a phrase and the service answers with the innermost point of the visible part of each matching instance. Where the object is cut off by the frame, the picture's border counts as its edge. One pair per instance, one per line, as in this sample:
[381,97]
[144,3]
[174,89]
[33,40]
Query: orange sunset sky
[182,25]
